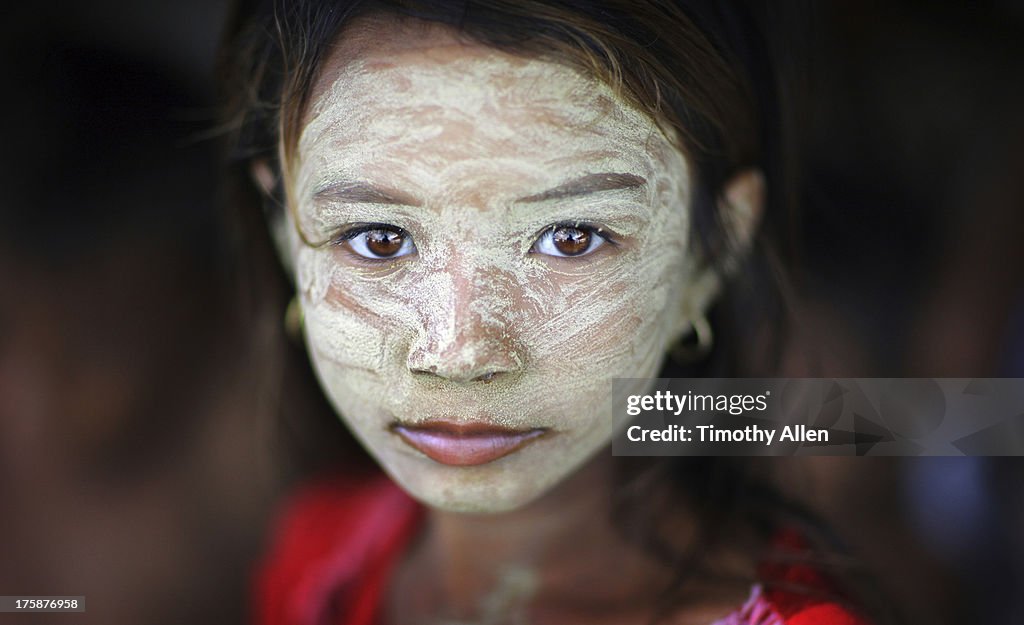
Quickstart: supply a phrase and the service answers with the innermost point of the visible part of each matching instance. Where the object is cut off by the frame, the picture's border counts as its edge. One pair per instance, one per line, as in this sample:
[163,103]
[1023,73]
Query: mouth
[465,444]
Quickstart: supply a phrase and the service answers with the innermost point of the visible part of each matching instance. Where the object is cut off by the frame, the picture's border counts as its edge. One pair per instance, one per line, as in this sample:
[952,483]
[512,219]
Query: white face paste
[466,131]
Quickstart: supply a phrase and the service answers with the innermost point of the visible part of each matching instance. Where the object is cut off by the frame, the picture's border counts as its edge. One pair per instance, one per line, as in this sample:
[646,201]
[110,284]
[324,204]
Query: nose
[470,339]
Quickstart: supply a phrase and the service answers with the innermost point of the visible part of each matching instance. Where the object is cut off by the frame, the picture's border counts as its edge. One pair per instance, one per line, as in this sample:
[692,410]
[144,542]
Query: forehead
[408,62]
[413,95]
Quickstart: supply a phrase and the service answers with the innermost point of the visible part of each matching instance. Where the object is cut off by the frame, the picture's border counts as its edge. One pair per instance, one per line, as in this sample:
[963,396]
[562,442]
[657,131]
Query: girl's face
[481,244]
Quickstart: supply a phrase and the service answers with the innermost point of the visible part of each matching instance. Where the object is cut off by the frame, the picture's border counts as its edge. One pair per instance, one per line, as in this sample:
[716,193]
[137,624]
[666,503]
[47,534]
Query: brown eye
[383,242]
[570,241]
[562,240]
[380,242]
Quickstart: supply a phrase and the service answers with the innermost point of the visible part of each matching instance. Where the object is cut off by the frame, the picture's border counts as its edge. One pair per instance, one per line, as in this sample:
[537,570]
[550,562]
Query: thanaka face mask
[481,243]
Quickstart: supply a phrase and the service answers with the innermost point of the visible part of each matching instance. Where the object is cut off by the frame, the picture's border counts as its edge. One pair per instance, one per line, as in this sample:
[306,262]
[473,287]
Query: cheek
[611,325]
[341,326]
[594,330]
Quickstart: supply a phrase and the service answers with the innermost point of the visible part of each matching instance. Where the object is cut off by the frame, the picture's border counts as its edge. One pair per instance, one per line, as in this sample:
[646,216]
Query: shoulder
[776,607]
[825,614]
[800,592]
[332,533]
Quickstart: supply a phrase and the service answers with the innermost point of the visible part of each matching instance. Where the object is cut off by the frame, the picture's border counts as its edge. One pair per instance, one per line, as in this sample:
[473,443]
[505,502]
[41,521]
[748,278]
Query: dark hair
[699,70]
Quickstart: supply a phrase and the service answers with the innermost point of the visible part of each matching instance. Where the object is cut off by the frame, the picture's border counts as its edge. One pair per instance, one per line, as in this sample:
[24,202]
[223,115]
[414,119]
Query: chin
[486,489]
[471,505]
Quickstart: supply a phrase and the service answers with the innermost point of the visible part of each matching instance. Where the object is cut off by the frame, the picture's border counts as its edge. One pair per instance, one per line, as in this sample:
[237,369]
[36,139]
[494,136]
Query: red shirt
[333,549]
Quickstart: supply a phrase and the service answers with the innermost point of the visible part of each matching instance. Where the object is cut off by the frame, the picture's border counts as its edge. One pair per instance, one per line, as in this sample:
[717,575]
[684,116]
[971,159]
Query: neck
[560,551]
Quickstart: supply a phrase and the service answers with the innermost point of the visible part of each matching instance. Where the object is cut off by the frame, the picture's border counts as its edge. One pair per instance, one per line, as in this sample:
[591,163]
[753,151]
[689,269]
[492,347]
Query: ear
[267,180]
[263,175]
[740,207]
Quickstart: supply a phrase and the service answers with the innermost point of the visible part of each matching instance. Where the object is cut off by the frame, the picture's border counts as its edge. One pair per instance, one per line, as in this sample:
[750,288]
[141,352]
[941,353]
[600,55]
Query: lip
[465,444]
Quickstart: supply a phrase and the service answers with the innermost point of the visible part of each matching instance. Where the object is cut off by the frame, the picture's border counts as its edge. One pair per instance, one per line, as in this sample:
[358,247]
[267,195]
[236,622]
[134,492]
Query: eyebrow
[592,183]
[363,193]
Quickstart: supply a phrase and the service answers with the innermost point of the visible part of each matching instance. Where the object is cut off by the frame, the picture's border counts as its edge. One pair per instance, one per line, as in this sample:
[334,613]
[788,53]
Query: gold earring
[686,351]
[293,319]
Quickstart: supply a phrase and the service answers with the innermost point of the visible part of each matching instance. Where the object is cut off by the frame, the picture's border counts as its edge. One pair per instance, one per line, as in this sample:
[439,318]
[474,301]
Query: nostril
[486,378]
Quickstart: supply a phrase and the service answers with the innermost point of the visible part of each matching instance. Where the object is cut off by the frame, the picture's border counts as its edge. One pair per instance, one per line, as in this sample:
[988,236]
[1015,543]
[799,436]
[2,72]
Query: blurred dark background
[136,468]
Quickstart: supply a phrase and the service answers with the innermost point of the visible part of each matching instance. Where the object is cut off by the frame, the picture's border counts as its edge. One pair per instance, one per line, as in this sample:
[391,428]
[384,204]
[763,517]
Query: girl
[489,210]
